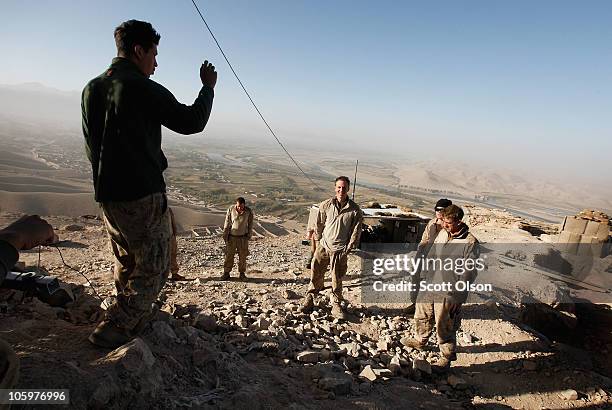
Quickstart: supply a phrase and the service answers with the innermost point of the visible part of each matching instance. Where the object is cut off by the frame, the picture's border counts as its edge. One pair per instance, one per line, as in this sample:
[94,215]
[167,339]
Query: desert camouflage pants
[447,318]
[139,233]
[338,266]
[235,244]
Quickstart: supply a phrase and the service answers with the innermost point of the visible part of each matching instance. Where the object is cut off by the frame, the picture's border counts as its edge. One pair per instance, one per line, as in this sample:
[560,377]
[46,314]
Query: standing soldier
[444,308]
[337,232]
[237,232]
[433,228]
[123,112]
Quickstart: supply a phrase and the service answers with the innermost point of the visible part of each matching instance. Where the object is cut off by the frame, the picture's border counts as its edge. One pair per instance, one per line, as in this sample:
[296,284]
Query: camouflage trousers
[337,262]
[447,318]
[235,244]
[140,233]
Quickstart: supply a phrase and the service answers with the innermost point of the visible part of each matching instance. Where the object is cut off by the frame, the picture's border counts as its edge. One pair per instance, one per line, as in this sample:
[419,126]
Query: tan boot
[308,304]
[412,343]
[106,334]
[442,365]
[338,311]
[177,277]
[410,309]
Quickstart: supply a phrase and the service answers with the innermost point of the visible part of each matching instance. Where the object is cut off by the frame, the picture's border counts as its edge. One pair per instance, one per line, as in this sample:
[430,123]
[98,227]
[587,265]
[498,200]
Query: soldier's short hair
[134,32]
[343,178]
[453,212]
[240,200]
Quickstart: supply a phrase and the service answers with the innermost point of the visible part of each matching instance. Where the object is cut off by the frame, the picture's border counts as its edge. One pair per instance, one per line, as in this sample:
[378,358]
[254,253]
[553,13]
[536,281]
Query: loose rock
[73,228]
[339,384]
[289,294]
[569,395]
[308,356]
[206,323]
[457,382]
[530,365]
[422,366]
[368,373]
[134,356]
[394,364]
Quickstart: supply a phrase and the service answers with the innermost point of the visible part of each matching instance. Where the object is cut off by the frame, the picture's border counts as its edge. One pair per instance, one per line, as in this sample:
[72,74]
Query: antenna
[355,180]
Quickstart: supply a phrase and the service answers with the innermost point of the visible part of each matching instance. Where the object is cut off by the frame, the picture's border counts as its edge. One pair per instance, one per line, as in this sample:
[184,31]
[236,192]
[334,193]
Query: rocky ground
[242,344]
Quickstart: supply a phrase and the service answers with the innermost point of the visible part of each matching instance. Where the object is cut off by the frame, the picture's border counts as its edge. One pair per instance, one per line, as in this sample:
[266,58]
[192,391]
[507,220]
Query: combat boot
[413,343]
[177,277]
[410,309]
[225,276]
[242,276]
[337,311]
[442,365]
[308,304]
[106,334]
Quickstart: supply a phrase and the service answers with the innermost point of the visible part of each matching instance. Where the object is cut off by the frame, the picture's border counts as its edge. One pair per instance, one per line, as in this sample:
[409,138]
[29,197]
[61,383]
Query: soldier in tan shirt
[337,232]
[237,231]
[439,308]
[433,228]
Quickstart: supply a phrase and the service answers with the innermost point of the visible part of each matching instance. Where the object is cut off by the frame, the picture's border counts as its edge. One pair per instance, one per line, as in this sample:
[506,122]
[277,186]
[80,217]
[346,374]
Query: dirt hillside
[242,344]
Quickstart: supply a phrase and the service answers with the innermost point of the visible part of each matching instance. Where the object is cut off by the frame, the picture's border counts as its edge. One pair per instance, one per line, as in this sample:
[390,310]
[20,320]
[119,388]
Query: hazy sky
[519,82]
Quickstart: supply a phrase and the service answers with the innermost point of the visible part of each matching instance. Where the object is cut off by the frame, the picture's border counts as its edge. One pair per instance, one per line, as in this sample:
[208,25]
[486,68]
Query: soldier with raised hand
[123,111]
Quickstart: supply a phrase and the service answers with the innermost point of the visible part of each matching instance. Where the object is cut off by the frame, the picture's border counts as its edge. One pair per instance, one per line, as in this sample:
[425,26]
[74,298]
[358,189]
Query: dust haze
[44,168]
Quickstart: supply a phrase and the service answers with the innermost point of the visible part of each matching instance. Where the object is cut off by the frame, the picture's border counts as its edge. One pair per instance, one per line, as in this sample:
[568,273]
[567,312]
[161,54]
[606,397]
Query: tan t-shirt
[238,224]
[338,229]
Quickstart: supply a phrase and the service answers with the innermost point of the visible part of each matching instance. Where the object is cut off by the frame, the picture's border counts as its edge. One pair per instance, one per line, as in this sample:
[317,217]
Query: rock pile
[347,360]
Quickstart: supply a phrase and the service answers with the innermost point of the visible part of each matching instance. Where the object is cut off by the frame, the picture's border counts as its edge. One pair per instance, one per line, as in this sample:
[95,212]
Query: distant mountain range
[472,179]
[35,102]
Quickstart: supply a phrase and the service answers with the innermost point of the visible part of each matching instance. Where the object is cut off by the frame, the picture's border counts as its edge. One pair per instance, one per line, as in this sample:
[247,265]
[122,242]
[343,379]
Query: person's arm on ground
[25,233]
[187,119]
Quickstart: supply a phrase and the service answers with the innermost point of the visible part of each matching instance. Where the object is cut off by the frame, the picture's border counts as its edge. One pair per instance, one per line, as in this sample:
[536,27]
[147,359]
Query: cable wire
[249,96]
[79,272]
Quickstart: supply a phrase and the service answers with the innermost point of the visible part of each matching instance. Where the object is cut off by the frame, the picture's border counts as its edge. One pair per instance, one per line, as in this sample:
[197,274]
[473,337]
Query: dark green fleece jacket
[123,112]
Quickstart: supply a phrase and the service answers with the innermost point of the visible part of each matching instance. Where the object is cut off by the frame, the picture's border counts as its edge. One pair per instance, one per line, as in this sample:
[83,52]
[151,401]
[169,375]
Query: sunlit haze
[516,85]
